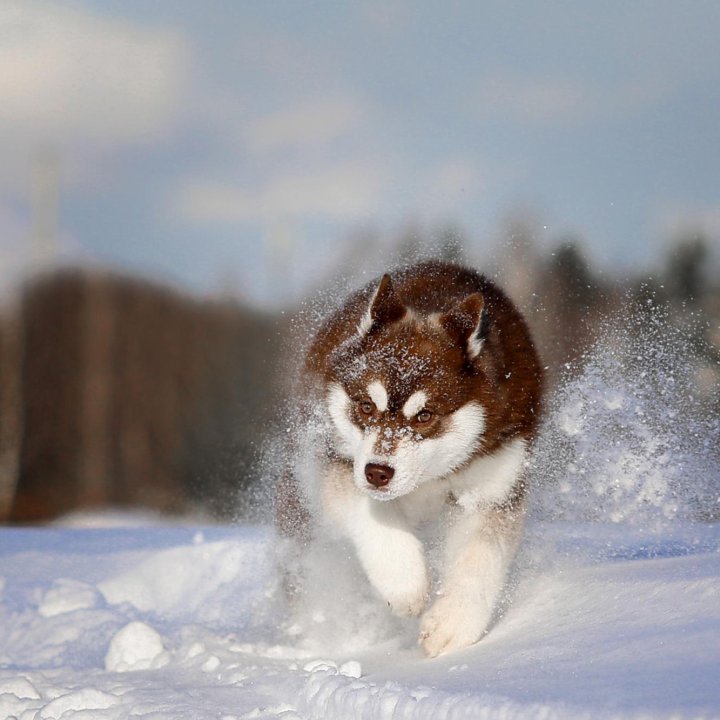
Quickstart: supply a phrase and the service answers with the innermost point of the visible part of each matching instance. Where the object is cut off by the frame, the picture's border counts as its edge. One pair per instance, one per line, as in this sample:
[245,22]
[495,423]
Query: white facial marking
[349,434]
[415,403]
[417,461]
[378,394]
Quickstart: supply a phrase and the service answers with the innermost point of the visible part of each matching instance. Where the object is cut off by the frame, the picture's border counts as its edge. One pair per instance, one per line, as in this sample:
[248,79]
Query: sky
[243,146]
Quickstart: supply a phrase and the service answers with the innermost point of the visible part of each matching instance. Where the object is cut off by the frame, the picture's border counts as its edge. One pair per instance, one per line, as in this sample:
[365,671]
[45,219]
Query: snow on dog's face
[406,397]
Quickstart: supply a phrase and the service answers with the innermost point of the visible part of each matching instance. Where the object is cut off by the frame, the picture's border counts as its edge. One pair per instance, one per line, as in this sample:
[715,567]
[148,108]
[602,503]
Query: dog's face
[404,396]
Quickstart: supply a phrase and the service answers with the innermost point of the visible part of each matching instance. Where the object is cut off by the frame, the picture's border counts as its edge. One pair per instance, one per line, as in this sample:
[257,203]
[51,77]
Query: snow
[613,610]
[136,647]
[604,621]
[67,595]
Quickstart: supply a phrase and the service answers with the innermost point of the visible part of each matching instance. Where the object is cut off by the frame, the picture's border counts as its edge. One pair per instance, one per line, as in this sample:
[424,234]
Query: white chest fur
[485,481]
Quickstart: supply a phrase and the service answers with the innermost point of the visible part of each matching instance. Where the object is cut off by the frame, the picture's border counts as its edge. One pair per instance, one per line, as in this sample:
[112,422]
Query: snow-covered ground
[613,610]
[173,623]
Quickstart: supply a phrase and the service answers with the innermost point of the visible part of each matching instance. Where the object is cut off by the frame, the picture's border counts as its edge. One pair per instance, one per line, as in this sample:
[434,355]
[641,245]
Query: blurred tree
[685,272]
[134,395]
[573,301]
[11,407]
[694,302]
[571,270]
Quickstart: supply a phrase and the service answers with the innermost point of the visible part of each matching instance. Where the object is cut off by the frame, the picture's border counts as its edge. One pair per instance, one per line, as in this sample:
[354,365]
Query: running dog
[424,394]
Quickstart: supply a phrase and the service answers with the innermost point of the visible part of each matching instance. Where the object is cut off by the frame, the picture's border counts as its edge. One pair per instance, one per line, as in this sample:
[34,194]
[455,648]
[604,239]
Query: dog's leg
[480,549]
[391,555]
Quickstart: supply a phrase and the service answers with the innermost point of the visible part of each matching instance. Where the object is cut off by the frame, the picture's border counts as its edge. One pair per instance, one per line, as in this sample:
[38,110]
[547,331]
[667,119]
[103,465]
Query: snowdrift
[169,623]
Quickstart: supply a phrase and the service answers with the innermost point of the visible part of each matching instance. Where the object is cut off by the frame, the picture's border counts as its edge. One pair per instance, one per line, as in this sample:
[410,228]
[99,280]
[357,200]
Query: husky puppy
[424,392]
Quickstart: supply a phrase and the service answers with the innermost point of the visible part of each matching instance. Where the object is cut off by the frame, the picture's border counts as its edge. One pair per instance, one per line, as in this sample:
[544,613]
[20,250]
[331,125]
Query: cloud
[565,100]
[384,17]
[449,187]
[536,100]
[456,176]
[344,192]
[307,125]
[67,75]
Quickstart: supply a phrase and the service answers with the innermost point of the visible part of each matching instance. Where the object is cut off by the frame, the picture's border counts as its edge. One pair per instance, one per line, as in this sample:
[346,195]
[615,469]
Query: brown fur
[506,378]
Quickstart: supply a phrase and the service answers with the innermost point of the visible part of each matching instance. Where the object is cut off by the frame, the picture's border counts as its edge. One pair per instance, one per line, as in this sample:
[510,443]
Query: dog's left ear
[464,323]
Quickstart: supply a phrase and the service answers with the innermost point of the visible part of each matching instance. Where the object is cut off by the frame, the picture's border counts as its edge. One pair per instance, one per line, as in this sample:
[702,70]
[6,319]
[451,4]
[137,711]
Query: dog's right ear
[385,307]
[464,324]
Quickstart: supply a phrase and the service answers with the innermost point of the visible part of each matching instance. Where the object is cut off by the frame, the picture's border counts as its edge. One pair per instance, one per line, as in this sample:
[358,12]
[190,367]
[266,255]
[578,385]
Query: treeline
[117,392]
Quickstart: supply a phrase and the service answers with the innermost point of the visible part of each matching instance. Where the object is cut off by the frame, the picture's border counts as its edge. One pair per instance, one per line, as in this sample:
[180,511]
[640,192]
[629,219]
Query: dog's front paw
[406,590]
[409,603]
[401,578]
[451,624]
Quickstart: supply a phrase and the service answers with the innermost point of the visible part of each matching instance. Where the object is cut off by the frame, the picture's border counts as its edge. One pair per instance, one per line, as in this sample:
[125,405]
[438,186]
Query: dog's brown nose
[378,475]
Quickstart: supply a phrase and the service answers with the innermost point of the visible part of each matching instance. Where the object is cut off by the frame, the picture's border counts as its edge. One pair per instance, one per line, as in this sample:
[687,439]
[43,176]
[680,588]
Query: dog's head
[406,393]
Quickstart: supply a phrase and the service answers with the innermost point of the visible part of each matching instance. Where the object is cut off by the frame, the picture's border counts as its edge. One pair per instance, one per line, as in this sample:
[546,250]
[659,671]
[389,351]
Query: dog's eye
[424,416]
[366,407]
